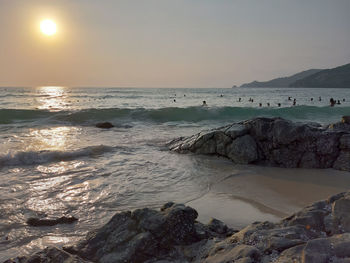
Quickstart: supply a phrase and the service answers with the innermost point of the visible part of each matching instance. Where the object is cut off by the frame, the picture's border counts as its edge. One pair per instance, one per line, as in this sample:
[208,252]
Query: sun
[48,27]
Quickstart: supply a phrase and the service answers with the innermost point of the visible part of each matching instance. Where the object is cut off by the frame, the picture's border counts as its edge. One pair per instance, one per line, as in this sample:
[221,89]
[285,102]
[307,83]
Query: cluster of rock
[319,233]
[274,142]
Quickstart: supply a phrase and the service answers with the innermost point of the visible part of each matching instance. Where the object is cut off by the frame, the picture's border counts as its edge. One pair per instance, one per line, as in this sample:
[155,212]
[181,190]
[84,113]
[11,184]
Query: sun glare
[48,27]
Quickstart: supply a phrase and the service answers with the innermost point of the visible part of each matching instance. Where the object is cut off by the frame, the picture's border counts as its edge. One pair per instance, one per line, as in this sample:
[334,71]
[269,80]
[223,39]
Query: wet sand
[263,193]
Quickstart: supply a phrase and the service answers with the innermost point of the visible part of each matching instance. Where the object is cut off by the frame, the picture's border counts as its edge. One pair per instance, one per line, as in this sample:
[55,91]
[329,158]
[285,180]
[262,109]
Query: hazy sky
[169,43]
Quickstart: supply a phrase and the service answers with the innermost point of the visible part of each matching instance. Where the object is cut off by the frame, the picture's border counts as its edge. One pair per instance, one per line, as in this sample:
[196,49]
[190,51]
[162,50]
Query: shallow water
[53,161]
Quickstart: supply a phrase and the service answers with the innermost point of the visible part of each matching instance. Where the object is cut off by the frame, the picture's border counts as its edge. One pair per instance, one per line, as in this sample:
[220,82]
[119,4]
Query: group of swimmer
[332,101]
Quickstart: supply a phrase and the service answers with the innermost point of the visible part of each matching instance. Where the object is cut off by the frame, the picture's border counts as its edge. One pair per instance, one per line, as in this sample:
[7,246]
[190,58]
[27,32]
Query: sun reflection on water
[53,139]
[53,98]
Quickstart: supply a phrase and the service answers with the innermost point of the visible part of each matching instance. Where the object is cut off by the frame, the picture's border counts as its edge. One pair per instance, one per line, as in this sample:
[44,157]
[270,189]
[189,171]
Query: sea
[55,162]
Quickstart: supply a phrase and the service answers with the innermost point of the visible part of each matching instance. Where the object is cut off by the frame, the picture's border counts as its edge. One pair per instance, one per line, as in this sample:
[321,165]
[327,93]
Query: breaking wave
[173,114]
[41,157]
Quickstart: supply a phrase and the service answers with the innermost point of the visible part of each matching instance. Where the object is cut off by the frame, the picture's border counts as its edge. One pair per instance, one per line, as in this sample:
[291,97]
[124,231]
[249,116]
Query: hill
[282,82]
[338,77]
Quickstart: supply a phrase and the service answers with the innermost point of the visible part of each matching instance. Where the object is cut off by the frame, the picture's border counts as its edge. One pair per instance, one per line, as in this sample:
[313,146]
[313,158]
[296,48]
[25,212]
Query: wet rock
[242,150]
[51,222]
[346,119]
[345,142]
[217,226]
[341,213]
[275,142]
[48,255]
[141,235]
[343,161]
[318,233]
[104,125]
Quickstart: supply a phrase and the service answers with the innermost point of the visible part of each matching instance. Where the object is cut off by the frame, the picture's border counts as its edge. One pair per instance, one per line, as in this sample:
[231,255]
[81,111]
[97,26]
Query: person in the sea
[279,104]
[260,104]
[294,102]
[239,99]
[332,102]
[204,103]
[174,100]
[312,99]
[319,99]
[338,102]
[268,104]
[289,98]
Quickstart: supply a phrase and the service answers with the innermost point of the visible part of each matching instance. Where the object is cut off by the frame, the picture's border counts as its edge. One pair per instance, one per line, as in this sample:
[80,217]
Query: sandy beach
[266,193]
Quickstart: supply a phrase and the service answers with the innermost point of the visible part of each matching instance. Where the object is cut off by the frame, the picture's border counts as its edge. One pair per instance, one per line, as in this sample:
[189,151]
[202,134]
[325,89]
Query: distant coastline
[338,77]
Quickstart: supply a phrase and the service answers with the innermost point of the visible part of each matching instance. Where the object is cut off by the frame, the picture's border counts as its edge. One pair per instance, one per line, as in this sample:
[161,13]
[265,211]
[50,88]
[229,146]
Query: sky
[169,43]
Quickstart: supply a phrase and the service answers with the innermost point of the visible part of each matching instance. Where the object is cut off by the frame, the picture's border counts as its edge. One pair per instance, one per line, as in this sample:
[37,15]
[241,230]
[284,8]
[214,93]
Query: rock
[217,226]
[235,130]
[51,222]
[141,235]
[48,255]
[104,125]
[346,119]
[239,253]
[242,150]
[317,251]
[274,142]
[318,233]
[341,214]
[345,142]
[343,161]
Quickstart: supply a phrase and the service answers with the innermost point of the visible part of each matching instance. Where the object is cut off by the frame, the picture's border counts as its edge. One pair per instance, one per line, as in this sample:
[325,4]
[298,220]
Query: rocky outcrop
[51,221]
[104,125]
[318,233]
[274,142]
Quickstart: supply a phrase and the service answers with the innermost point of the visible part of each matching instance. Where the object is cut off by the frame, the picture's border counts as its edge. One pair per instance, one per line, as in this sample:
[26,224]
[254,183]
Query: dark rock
[141,235]
[242,150]
[217,226]
[318,233]
[104,125]
[275,142]
[51,222]
[346,119]
[48,255]
[343,161]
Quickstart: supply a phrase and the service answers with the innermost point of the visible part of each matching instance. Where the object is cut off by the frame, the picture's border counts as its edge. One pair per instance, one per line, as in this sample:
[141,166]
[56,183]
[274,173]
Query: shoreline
[267,193]
[318,233]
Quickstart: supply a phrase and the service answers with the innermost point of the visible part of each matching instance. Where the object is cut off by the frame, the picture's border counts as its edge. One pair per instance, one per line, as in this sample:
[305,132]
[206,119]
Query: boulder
[275,142]
[104,125]
[242,150]
[51,222]
[346,119]
[48,255]
[318,233]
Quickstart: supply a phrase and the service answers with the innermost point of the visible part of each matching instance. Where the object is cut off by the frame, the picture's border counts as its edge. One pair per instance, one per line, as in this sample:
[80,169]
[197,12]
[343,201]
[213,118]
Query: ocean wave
[173,114]
[41,157]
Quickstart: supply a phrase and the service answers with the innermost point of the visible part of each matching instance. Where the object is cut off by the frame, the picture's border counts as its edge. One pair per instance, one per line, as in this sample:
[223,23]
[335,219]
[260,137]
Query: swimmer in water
[268,104]
[279,104]
[204,103]
[260,104]
[319,99]
[174,100]
[289,98]
[332,102]
[239,99]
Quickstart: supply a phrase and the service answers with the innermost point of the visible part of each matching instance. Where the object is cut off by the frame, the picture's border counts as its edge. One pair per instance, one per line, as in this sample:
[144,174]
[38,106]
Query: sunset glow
[48,27]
